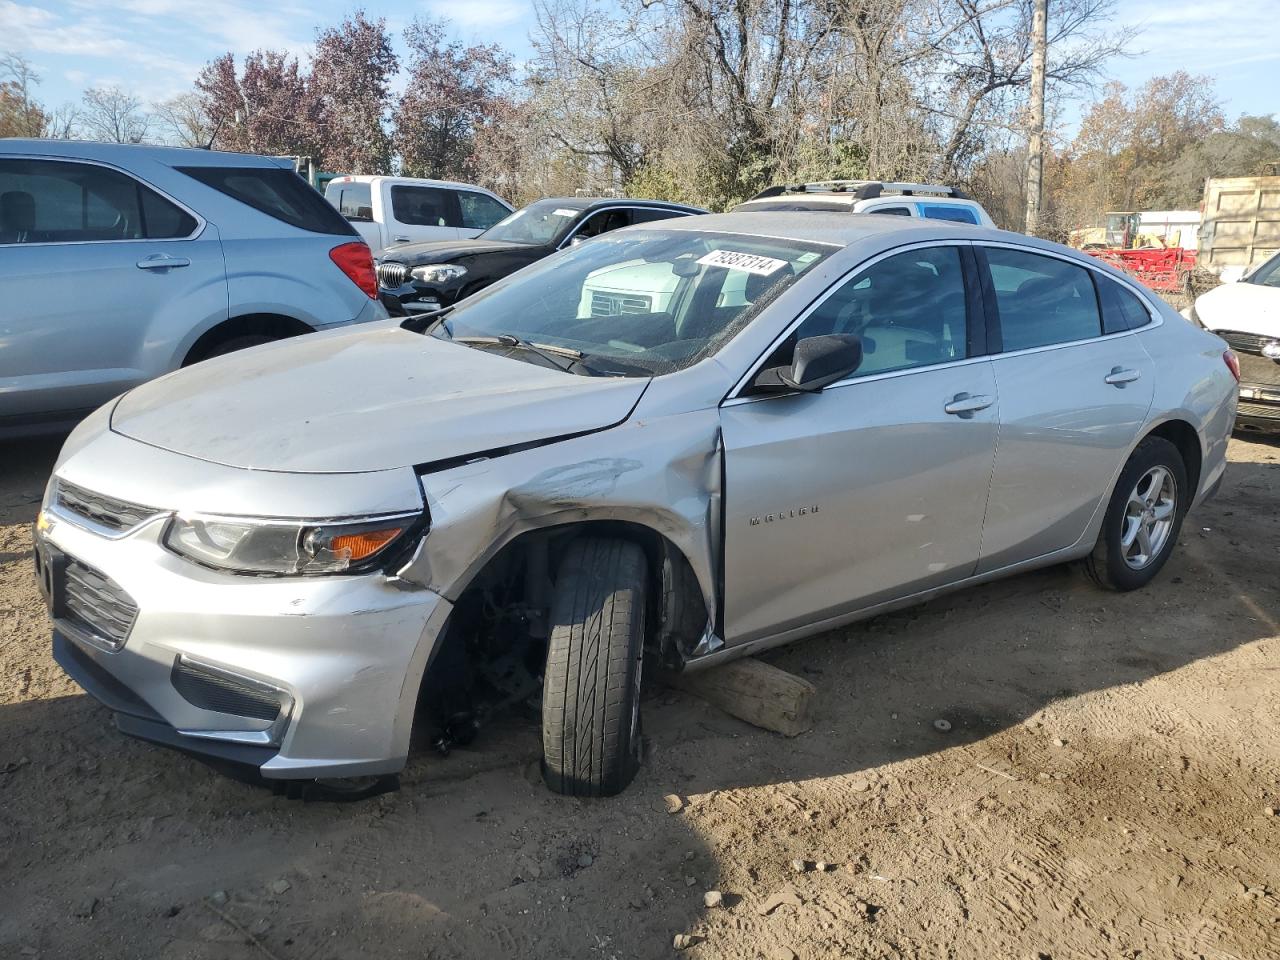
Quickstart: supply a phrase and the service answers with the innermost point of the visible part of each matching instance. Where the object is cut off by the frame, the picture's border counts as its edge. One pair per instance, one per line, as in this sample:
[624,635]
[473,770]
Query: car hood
[1246,307]
[447,251]
[358,401]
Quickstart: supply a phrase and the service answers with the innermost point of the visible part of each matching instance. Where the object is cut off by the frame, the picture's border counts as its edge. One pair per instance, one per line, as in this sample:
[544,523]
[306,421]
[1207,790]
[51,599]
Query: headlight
[287,547]
[437,272]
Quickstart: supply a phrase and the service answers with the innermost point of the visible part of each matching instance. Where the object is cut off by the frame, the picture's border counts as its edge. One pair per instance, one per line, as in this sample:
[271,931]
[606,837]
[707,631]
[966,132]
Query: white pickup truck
[390,210]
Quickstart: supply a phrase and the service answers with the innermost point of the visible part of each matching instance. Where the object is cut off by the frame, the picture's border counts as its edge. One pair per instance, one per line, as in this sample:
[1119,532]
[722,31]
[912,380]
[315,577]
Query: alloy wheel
[1148,517]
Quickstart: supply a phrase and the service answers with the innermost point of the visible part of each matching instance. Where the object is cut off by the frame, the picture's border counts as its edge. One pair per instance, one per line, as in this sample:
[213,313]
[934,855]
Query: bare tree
[183,121]
[20,114]
[112,115]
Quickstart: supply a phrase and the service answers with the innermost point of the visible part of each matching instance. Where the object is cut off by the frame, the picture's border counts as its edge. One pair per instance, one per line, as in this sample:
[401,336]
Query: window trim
[194,235]
[995,344]
[973,300]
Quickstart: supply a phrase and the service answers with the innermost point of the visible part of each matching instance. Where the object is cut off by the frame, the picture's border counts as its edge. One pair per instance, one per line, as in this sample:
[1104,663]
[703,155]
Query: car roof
[590,203]
[408,181]
[840,229]
[127,152]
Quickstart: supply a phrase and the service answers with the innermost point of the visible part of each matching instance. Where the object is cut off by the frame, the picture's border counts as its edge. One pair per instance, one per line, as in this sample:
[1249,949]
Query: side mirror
[817,362]
[577,240]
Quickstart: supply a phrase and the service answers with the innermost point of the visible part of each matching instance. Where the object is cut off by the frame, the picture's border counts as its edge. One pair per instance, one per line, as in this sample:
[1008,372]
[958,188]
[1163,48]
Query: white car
[390,210]
[928,200]
[1246,313]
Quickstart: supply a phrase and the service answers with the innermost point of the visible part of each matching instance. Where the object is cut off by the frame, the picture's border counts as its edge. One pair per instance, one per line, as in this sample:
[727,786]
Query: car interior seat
[17,216]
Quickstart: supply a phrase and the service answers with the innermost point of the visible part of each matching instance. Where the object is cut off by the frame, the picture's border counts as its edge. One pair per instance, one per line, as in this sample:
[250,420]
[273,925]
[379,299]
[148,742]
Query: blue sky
[155,47]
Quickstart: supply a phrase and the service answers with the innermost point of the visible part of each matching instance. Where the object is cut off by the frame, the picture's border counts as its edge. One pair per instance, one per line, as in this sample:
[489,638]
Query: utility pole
[1035,142]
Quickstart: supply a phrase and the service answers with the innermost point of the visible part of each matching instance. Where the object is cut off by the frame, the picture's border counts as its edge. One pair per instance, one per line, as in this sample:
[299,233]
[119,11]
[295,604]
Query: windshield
[543,222]
[635,302]
[1267,275]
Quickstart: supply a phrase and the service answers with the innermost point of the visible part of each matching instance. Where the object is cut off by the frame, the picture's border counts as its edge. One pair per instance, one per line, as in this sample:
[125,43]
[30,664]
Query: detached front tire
[1143,518]
[591,689]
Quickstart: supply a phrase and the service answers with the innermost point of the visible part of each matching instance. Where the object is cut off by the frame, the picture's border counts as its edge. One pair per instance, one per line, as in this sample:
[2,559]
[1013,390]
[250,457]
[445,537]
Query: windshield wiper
[562,358]
[422,322]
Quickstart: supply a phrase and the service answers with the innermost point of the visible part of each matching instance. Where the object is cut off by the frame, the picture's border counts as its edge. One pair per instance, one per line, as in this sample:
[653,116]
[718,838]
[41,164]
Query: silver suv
[519,497]
[120,263]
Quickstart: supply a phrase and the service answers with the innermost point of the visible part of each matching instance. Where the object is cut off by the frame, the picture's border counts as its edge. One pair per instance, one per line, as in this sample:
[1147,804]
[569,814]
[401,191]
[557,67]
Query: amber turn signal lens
[357,546]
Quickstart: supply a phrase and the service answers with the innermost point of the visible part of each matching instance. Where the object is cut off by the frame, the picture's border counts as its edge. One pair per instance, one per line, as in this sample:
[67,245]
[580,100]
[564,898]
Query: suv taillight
[1233,363]
[355,259]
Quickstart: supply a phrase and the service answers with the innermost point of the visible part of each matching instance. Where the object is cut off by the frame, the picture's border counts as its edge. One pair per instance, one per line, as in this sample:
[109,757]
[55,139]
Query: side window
[909,310]
[650,214]
[1121,310]
[946,211]
[1042,300]
[48,201]
[422,206]
[353,200]
[603,222]
[479,211]
[893,211]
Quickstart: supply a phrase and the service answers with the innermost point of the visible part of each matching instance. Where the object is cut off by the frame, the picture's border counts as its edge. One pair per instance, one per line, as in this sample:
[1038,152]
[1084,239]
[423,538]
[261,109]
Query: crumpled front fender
[663,474]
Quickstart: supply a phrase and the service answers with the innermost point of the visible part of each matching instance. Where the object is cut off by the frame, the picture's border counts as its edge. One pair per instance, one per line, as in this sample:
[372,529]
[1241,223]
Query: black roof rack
[861,189]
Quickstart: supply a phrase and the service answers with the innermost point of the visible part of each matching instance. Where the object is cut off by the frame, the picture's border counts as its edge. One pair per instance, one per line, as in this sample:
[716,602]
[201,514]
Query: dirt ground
[1103,792]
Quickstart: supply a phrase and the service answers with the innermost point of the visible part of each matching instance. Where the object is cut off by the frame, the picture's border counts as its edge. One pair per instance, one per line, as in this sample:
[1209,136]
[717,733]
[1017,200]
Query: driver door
[875,488]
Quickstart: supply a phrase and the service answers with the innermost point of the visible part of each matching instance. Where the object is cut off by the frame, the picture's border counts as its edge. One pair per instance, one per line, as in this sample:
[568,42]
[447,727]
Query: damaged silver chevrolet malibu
[689,440]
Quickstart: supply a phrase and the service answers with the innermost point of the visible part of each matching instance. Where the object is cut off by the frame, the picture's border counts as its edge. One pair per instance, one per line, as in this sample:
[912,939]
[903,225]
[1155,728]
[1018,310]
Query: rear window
[278,193]
[1121,310]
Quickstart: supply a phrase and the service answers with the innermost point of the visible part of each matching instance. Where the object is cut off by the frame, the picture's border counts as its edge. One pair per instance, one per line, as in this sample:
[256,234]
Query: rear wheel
[237,343]
[591,690]
[1143,518]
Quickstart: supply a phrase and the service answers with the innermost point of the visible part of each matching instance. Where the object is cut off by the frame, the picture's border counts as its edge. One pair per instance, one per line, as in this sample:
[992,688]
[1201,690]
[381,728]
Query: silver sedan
[689,440]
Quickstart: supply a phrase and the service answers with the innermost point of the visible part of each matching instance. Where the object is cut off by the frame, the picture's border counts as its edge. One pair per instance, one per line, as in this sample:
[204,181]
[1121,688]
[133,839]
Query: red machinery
[1165,271]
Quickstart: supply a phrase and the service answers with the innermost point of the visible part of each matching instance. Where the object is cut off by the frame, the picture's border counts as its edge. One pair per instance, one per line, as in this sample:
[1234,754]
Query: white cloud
[1201,36]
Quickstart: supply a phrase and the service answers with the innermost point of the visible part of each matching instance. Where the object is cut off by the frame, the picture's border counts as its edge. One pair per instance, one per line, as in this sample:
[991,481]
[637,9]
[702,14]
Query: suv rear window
[278,193]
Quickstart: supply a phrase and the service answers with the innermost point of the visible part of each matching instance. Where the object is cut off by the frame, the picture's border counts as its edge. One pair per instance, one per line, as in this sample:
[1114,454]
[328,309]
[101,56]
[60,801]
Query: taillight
[1233,363]
[355,259]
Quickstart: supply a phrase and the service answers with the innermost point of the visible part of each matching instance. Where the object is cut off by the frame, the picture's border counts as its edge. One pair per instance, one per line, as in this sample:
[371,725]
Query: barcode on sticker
[747,262]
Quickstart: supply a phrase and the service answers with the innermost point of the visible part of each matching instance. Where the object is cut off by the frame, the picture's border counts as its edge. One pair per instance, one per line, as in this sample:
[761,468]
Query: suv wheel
[591,689]
[1143,519]
[237,343]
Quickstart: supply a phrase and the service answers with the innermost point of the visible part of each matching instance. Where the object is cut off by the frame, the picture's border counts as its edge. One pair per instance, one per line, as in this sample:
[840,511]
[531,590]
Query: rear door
[1073,397]
[875,488]
[416,213]
[91,262]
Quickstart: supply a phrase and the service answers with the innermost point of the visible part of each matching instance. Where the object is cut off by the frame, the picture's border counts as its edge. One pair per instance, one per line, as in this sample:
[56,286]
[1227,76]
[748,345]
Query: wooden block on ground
[753,691]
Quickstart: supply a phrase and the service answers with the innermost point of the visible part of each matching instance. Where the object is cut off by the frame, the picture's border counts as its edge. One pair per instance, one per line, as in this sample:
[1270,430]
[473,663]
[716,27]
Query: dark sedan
[416,277]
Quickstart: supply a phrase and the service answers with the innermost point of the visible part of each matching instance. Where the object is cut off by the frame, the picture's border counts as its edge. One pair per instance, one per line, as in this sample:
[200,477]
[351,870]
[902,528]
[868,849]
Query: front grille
[97,605]
[1269,411]
[391,275]
[616,304]
[99,509]
[1245,342]
[214,690]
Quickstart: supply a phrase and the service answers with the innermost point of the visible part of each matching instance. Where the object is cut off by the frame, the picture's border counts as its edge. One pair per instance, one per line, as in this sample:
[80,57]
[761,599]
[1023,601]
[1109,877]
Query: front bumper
[342,656]
[415,297]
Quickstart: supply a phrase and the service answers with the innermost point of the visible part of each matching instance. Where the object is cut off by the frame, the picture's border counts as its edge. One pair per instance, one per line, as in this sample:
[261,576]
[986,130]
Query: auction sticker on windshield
[748,262]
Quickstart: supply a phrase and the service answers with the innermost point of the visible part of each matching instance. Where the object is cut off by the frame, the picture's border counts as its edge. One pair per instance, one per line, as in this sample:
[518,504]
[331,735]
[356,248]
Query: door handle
[399,239]
[966,405]
[162,261]
[1119,376]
